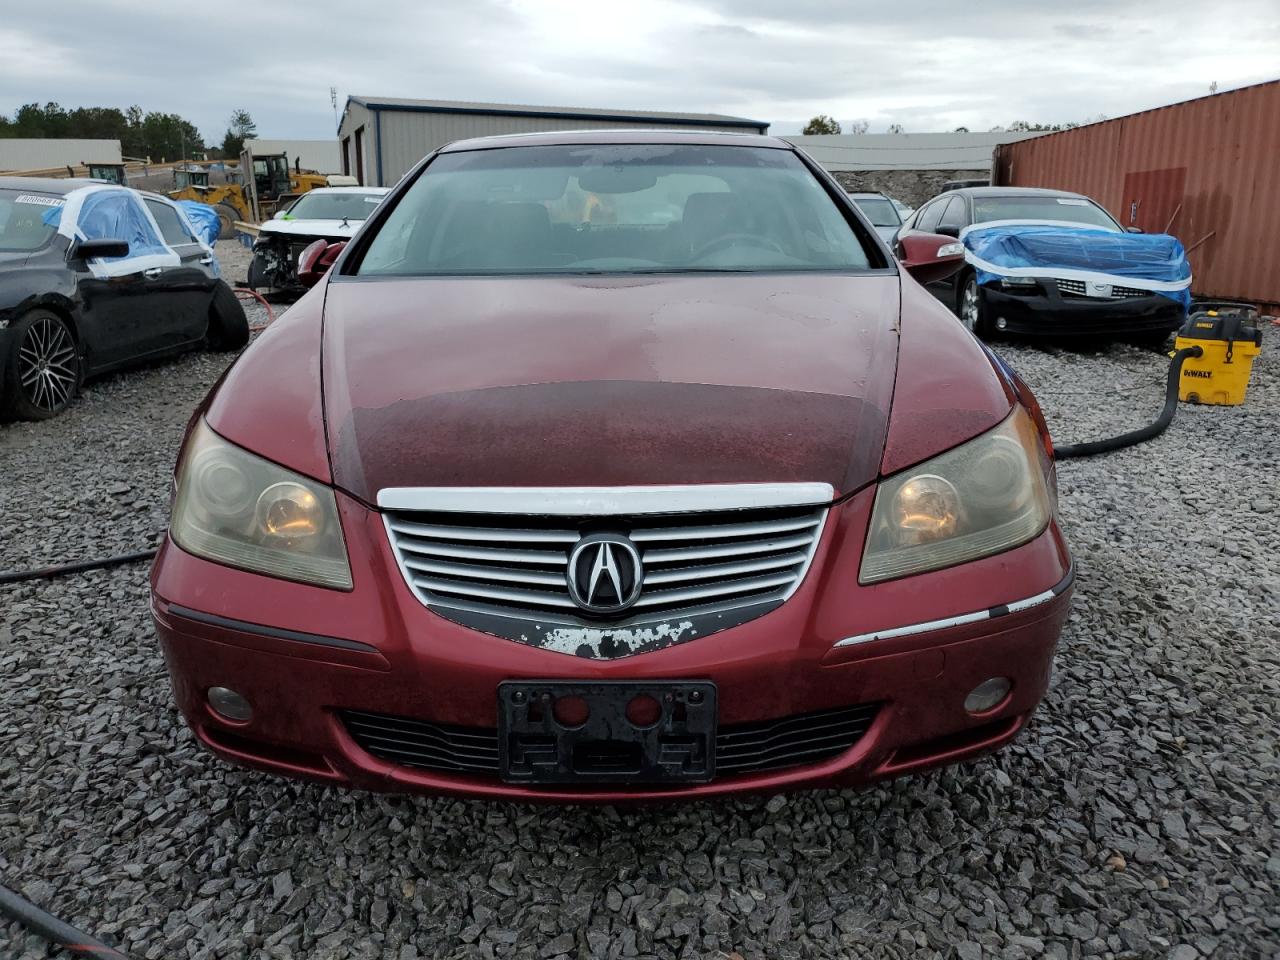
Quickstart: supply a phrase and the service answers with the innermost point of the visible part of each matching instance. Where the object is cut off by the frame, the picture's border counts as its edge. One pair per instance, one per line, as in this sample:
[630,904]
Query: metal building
[911,167]
[382,137]
[46,153]
[1205,170]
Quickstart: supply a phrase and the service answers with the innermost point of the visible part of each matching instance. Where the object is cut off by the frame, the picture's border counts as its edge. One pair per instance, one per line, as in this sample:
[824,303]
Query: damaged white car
[327,213]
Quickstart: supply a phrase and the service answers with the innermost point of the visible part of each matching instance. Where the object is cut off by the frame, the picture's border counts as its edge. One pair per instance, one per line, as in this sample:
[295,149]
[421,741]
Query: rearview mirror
[98,249]
[930,257]
[947,231]
[314,261]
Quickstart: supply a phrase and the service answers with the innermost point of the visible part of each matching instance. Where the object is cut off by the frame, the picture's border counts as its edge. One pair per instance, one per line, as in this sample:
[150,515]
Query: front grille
[507,574]
[740,748]
[1076,288]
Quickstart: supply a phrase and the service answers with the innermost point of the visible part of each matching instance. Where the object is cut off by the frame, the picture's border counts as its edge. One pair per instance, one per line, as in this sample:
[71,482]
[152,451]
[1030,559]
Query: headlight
[247,512]
[983,497]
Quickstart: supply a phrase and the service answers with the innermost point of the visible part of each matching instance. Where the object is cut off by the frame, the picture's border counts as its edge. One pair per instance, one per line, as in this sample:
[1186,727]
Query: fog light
[227,703]
[987,694]
[1001,323]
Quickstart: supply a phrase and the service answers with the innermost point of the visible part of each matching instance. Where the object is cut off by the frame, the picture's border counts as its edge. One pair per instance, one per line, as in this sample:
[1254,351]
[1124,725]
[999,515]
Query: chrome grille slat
[475,572]
[522,597]
[679,554]
[492,534]
[707,571]
[726,565]
[414,545]
[685,594]
[713,531]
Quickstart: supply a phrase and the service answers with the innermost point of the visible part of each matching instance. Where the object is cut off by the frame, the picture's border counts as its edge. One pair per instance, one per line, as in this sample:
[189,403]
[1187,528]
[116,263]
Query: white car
[326,213]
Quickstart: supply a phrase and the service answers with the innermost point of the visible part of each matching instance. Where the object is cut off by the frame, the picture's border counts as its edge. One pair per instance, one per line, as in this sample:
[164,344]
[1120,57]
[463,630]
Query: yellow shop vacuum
[1229,337]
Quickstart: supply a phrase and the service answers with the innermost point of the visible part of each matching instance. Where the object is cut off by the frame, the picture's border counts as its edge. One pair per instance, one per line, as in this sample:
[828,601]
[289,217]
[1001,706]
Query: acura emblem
[604,574]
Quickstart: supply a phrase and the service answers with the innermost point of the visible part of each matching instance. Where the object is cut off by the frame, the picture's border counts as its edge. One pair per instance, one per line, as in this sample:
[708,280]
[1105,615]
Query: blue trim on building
[733,122]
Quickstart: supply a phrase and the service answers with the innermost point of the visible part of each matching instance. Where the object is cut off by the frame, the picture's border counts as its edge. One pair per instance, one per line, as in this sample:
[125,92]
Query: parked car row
[1066,247]
[94,276]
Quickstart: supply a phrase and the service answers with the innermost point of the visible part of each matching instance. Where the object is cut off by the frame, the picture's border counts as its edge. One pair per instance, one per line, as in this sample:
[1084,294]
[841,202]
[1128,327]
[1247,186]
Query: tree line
[824,124]
[144,135]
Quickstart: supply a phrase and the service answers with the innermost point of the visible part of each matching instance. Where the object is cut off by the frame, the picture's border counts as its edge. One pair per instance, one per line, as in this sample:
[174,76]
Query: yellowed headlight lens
[290,511]
[926,508]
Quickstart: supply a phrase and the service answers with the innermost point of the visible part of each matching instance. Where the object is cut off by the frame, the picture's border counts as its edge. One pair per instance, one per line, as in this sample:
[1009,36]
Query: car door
[185,287]
[954,218]
[112,291]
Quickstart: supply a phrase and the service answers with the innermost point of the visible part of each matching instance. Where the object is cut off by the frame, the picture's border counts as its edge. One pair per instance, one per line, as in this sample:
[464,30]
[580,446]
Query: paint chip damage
[611,642]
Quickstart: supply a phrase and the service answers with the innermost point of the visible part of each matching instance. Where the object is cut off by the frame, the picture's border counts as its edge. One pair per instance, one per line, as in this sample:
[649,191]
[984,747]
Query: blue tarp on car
[203,218]
[1155,262]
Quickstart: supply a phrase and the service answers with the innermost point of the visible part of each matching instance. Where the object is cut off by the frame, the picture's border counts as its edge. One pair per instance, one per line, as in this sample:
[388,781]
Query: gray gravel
[1138,816]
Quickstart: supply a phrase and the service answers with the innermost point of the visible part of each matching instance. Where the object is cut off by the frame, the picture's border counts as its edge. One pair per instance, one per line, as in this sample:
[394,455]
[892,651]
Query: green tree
[241,128]
[821,124]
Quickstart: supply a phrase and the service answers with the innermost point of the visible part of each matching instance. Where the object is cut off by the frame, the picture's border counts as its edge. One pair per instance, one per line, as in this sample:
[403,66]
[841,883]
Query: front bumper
[304,656]
[1047,311]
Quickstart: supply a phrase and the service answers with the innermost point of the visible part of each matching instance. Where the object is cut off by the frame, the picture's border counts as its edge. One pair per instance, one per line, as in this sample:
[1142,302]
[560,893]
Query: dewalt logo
[1202,374]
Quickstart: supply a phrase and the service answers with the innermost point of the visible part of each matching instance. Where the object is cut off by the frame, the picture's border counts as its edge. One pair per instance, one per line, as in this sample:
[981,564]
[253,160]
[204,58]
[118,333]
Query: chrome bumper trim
[989,614]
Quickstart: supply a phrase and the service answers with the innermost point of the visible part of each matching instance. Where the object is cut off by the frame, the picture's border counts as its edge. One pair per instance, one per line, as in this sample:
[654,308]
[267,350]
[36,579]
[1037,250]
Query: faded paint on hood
[549,381]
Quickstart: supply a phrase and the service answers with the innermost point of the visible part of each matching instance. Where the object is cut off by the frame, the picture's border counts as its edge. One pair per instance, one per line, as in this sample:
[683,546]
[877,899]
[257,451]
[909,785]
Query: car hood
[337,229]
[572,381]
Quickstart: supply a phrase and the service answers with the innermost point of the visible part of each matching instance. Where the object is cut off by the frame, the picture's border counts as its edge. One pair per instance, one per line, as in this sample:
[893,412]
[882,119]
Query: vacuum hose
[79,566]
[1153,429]
[50,928]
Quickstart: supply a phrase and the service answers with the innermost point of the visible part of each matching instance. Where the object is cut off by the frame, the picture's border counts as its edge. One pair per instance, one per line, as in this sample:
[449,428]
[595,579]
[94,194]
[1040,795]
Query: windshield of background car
[23,222]
[592,208]
[334,206]
[1069,209]
[881,213]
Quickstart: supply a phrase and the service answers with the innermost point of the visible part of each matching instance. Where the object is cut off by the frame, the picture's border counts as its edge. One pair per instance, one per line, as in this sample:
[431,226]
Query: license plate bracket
[543,736]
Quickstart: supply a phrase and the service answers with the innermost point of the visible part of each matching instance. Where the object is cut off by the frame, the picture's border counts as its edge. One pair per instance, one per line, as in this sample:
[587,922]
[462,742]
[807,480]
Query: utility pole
[333,98]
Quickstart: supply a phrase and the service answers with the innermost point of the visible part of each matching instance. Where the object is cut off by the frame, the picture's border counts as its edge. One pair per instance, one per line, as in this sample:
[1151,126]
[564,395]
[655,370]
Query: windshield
[23,223]
[333,206]
[639,208]
[881,213]
[1070,209]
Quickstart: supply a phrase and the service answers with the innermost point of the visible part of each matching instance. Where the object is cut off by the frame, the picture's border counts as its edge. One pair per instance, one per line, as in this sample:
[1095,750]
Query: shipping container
[1205,170]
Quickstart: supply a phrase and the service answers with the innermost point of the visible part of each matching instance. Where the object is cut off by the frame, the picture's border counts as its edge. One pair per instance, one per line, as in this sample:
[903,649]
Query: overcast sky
[928,65]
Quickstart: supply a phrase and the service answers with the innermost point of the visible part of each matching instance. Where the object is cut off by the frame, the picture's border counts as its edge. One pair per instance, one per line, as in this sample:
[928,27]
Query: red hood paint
[549,381]
[947,390]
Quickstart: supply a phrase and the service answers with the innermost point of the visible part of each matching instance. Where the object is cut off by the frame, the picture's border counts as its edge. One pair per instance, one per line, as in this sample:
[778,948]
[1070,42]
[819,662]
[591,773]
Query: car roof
[378,190]
[55,185]
[621,135]
[1014,192]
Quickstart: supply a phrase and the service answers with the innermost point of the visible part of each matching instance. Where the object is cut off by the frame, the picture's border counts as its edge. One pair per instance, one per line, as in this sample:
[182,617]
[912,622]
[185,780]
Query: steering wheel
[729,239]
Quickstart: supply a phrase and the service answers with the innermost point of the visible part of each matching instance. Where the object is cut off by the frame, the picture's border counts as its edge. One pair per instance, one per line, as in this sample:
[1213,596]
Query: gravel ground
[1138,816]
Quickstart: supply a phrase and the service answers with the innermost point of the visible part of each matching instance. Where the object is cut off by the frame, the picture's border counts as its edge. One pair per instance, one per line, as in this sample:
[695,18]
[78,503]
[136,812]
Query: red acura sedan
[614,465]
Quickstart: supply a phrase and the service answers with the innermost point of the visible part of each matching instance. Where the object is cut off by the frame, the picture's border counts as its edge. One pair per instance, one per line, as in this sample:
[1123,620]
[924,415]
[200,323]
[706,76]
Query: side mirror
[930,257]
[314,261]
[95,249]
[1133,230]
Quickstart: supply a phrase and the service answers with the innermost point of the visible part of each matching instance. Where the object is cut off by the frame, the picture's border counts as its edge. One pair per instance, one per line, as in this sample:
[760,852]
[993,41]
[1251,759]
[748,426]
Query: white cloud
[931,65]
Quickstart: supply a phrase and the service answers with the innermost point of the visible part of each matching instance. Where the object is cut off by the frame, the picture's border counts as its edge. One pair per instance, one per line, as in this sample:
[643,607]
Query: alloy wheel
[969,305]
[47,364]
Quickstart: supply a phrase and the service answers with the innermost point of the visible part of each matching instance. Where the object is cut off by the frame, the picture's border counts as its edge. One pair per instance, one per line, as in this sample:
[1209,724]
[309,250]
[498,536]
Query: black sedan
[1043,304]
[95,276]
